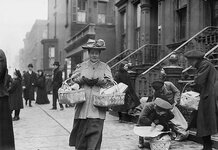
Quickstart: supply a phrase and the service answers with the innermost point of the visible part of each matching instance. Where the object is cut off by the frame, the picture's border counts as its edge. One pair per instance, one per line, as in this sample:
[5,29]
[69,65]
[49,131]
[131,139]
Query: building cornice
[120,3]
[135,2]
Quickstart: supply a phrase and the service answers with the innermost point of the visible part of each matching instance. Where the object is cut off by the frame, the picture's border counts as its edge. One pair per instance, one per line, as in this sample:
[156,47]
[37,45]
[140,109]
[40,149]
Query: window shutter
[74,10]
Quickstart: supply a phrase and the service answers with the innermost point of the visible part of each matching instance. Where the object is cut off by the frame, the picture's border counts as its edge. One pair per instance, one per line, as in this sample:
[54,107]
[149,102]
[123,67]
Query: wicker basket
[160,145]
[68,96]
[108,100]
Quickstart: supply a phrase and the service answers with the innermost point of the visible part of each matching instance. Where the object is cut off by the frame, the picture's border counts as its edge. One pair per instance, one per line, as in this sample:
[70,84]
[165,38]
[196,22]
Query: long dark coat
[131,99]
[29,82]
[57,79]
[41,97]
[15,95]
[207,84]
[6,126]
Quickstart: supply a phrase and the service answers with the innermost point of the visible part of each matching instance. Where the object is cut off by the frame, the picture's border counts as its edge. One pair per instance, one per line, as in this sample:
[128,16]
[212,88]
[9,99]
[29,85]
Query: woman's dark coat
[6,127]
[131,99]
[15,95]
[29,82]
[207,81]
[41,97]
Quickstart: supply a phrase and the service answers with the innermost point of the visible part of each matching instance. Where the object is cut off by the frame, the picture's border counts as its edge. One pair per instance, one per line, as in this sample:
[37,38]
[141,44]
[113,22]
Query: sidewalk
[42,129]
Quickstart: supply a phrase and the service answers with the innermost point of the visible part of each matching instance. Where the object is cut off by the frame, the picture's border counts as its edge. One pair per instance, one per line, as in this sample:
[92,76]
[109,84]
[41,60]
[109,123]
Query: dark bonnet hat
[30,65]
[17,72]
[56,63]
[194,54]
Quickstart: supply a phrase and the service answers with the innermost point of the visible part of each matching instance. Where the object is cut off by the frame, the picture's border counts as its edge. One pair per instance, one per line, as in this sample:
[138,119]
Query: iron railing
[204,40]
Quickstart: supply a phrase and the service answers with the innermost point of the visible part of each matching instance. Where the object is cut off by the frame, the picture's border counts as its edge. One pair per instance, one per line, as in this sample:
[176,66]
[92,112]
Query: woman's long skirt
[6,127]
[87,134]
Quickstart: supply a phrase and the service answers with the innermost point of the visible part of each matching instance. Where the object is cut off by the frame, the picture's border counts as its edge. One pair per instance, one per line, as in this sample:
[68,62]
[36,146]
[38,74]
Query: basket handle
[183,89]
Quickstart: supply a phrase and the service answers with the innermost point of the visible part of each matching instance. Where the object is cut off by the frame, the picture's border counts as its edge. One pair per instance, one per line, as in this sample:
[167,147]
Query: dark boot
[26,102]
[16,118]
[207,143]
[30,103]
[141,142]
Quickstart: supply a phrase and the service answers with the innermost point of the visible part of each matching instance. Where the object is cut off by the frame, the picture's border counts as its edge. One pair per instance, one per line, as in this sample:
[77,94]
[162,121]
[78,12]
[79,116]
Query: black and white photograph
[108,74]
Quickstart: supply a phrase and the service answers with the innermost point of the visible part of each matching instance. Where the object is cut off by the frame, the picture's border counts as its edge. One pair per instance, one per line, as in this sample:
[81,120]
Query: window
[81,11]
[51,56]
[67,5]
[138,24]
[182,16]
[138,15]
[102,11]
[123,31]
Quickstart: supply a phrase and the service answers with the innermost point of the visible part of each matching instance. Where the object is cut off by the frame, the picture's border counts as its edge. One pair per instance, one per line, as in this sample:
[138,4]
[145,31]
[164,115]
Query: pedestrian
[56,84]
[15,95]
[206,83]
[168,91]
[41,95]
[6,126]
[89,119]
[153,114]
[29,83]
[131,99]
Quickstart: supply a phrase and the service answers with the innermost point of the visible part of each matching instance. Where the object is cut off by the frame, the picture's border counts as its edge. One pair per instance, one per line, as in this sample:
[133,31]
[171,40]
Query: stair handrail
[174,51]
[210,51]
[130,54]
[117,56]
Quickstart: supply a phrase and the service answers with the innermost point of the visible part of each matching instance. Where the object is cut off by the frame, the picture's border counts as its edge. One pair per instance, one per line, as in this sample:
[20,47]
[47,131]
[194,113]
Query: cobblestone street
[42,129]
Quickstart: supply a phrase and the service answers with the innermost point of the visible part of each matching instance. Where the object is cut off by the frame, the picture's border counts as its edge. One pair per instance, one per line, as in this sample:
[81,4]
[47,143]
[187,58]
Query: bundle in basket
[111,96]
[67,95]
[108,100]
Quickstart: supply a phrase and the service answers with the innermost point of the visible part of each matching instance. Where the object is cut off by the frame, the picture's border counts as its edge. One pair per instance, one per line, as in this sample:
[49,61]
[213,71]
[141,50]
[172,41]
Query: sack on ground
[190,100]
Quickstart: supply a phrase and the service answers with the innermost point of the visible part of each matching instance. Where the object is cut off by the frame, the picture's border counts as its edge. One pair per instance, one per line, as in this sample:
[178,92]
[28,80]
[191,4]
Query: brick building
[151,29]
[33,50]
[70,24]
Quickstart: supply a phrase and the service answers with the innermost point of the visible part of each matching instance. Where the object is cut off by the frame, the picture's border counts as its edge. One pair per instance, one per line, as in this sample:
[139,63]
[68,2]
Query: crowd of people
[94,74]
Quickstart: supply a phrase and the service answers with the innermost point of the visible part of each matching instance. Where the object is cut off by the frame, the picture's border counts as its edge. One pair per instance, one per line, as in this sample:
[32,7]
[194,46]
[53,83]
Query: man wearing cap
[29,83]
[206,83]
[166,90]
[156,113]
[56,84]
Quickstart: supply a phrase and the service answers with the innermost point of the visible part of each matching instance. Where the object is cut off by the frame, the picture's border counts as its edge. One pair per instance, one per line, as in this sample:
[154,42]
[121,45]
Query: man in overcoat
[29,83]
[56,84]
[206,83]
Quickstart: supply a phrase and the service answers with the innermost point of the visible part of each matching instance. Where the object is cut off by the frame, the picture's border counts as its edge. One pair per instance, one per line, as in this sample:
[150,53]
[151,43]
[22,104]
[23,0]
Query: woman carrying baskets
[89,119]
[206,83]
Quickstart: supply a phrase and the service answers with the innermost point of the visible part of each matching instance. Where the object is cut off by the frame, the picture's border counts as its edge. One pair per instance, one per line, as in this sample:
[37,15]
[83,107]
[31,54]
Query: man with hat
[29,83]
[56,84]
[156,113]
[206,83]
[167,91]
